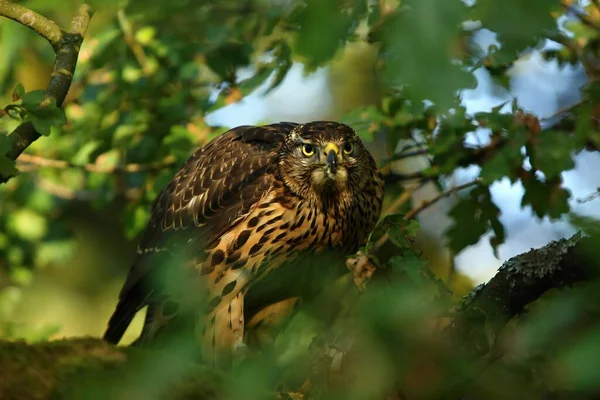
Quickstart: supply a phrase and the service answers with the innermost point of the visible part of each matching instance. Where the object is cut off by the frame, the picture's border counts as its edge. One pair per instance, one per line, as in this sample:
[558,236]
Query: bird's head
[320,157]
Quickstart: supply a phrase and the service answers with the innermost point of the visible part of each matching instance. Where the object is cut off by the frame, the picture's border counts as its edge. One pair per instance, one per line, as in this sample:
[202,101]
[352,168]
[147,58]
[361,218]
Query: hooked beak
[332,151]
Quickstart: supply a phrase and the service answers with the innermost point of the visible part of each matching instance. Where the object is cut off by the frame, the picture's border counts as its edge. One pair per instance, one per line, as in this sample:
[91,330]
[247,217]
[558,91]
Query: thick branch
[84,367]
[67,52]
[38,23]
[519,282]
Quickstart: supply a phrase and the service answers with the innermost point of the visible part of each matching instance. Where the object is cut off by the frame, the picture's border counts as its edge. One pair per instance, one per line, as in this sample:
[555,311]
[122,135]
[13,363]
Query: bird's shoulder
[214,189]
[217,184]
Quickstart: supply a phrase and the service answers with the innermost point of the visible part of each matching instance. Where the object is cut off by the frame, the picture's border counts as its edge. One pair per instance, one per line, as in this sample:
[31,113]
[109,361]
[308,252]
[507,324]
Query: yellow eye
[348,148]
[308,150]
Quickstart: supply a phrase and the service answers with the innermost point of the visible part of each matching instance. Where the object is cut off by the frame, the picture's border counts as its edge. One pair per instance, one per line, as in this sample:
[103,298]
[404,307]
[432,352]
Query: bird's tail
[119,321]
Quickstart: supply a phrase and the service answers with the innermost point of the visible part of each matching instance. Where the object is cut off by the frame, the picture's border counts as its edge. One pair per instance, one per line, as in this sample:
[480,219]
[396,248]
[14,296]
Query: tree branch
[403,155]
[519,282]
[583,17]
[134,46]
[67,193]
[30,163]
[67,52]
[41,25]
[86,367]
[424,204]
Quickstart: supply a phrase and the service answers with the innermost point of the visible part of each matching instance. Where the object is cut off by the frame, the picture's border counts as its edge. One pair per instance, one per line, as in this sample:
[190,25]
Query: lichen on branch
[520,281]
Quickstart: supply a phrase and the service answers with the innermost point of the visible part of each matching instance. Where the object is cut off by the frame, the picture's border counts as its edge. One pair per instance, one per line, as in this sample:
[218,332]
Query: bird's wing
[215,187]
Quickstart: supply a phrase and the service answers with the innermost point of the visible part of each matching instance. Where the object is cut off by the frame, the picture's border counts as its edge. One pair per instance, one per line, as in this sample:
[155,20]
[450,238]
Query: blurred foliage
[149,73]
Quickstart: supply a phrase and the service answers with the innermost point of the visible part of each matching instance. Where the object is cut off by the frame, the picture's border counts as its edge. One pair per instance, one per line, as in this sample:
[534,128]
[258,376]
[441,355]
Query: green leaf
[243,88]
[324,26]
[21,276]
[7,166]
[28,224]
[136,218]
[179,141]
[42,111]
[55,251]
[109,159]
[283,64]
[499,166]
[402,232]
[365,121]
[475,215]
[546,198]
[145,35]
[84,153]
[33,99]
[413,266]
[517,24]
[4,144]
[553,153]
[18,92]
[43,126]
[417,40]
[505,162]
[589,225]
[580,361]
[226,59]
[584,124]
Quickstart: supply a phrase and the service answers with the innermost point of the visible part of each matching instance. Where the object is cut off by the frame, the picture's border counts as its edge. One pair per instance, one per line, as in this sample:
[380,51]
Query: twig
[401,156]
[30,163]
[391,178]
[136,48]
[67,193]
[67,51]
[566,41]
[584,18]
[562,111]
[589,197]
[400,200]
[426,203]
[41,25]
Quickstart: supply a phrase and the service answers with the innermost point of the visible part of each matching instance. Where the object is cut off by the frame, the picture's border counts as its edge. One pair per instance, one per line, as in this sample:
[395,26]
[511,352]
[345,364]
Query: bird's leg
[266,323]
[223,333]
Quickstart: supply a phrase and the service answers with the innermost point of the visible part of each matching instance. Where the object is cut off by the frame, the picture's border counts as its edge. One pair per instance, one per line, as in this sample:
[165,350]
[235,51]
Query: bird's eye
[348,148]
[308,150]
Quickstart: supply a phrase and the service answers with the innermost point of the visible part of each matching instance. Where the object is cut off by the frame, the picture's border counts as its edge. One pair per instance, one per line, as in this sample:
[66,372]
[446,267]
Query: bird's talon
[362,268]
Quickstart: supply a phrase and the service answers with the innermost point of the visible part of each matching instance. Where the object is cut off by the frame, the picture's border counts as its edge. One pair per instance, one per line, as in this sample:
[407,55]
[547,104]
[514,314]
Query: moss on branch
[90,368]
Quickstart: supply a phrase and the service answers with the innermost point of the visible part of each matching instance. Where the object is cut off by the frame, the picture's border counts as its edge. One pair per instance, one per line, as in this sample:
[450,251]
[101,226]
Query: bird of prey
[244,206]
